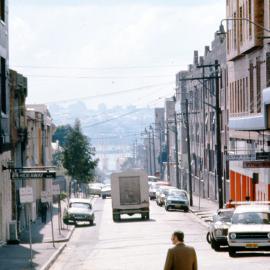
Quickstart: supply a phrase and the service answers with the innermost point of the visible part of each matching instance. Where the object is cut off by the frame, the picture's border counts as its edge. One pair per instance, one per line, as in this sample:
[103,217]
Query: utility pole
[150,154]
[154,150]
[189,156]
[176,151]
[168,152]
[218,138]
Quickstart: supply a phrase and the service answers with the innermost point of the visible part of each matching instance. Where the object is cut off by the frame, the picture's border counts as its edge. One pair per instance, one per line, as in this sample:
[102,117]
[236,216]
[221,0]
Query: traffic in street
[135,244]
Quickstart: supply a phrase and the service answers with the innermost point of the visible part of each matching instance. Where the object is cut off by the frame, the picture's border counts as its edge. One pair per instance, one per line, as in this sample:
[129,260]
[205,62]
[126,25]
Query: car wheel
[103,197]
[65,221]
[215,245]
[208,238]
[232,252]
[91,222]
[167,208]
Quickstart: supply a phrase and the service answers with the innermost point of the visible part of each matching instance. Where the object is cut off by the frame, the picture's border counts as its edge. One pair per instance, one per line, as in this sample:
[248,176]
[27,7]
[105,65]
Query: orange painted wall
[232,185]
[238,187]
[244,188]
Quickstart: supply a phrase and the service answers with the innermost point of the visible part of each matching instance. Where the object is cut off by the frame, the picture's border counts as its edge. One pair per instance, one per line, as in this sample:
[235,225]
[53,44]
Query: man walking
[180,257]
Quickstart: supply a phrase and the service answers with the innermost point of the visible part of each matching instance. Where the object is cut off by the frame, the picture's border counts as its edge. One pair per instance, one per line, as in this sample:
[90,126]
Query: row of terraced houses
[25,140]
[243,55]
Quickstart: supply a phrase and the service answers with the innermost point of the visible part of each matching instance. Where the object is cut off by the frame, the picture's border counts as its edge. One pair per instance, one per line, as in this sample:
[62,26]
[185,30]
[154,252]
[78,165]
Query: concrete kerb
[205,224]
[54,257]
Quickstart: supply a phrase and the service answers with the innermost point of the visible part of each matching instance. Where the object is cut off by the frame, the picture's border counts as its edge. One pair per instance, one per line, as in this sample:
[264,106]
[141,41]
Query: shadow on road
[129,220]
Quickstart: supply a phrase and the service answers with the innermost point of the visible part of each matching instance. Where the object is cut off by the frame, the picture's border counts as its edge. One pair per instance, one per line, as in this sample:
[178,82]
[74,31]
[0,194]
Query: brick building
[248,56]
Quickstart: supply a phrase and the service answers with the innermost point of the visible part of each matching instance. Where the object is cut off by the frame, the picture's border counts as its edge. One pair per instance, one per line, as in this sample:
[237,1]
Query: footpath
[17,257]
[203,209]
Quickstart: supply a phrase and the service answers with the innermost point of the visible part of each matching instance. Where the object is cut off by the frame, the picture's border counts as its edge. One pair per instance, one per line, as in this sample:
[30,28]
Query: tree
[78,155]
[61,134]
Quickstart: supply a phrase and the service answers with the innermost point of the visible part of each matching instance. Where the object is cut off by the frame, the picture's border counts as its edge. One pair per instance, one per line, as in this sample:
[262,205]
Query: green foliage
[61,134]
[78,155]
[63,196]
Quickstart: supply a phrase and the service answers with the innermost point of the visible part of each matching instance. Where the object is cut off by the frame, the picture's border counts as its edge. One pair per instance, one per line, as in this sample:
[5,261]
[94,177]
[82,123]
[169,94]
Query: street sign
[26,195]
[56,189]
[33,174]
[243,157]
[45,197]
[256,164]
[263,156]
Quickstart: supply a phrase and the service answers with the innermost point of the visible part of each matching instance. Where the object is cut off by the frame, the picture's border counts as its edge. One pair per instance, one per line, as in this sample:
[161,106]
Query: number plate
[251,245]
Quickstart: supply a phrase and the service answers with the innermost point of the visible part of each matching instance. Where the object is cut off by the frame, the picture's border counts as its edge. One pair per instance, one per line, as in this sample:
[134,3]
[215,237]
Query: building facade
[18,133]
[248,56]
[196,110]
[40,129]
[5,146]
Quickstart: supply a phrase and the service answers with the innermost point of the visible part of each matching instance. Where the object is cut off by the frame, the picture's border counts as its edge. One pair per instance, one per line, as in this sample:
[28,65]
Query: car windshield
[225,216]
[178,193]
[251,218]
[81,205]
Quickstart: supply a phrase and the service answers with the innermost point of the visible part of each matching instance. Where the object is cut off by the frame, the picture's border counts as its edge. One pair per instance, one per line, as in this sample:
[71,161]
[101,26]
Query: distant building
[39,149]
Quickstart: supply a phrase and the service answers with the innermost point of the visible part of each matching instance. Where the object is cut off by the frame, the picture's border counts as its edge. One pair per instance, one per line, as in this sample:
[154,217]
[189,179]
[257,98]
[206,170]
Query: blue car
[177,200]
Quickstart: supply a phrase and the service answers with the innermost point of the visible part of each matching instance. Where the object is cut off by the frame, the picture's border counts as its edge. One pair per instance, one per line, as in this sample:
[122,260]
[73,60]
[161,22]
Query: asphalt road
[142,245]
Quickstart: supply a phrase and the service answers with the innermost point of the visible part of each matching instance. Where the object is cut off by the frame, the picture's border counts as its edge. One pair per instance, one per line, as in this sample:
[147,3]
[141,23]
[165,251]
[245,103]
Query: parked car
[152,178]
[218,228]
[152,190]
[250,229]
[106,191]
[95,189]
[177,199]
[79,210]
[162,193]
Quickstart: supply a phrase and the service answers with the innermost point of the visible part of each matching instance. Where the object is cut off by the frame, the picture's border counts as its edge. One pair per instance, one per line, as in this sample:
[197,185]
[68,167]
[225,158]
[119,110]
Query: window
[234,31]
[2,10]
[251,92]
[3,86]
[250,17]
[241,25]
[258,83]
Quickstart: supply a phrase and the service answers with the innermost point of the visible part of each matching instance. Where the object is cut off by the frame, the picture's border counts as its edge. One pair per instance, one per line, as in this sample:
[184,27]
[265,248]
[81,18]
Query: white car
[250,229]
[79,210]
[106,191]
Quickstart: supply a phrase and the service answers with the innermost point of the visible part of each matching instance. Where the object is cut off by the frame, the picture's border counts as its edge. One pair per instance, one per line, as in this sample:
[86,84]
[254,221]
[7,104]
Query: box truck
[130,194]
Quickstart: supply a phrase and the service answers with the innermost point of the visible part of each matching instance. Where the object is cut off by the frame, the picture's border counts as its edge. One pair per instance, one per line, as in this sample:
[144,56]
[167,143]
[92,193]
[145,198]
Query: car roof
[79,200]
[252,208]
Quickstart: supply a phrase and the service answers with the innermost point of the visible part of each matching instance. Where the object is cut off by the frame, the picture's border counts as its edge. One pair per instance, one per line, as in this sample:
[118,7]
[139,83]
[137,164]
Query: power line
[113,93]
[40,76]
[94,68]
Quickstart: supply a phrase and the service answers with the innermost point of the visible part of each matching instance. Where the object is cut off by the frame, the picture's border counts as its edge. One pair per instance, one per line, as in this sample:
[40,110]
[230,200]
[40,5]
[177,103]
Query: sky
[89,50]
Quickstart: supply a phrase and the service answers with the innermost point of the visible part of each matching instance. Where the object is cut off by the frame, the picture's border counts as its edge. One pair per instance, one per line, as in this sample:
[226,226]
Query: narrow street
[134,245]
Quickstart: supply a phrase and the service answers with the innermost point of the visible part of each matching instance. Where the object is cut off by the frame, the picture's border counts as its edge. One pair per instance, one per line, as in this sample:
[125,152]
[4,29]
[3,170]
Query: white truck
[130,194]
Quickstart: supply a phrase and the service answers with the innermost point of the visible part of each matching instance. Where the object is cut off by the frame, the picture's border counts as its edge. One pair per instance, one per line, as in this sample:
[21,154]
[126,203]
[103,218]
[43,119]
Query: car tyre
[186,210]
[208,238]
[167,208]
[215,245]
[91,222]
[103,197]
[232,252]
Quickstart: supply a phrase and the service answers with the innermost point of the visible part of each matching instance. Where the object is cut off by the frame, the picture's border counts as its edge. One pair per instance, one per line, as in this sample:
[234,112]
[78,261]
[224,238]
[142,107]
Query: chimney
[206,50]
[195,58]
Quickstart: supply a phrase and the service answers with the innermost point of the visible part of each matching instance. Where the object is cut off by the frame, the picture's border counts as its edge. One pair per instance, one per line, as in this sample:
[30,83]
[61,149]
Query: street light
[222,30]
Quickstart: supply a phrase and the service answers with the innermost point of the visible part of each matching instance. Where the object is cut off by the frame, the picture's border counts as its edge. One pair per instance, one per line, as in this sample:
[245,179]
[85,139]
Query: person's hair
[179,235]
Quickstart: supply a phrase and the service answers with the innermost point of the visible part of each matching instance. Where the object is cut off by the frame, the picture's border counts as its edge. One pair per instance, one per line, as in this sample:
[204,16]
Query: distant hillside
[117,125]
